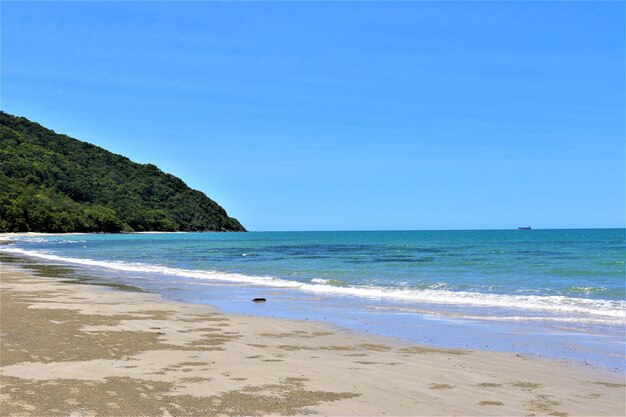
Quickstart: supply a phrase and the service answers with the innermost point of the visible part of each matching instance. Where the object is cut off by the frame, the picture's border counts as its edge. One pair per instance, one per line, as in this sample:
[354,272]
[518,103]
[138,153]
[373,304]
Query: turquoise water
[542,280]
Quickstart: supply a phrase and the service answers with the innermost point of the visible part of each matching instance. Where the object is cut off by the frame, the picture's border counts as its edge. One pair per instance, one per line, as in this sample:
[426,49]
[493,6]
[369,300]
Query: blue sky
[340,116]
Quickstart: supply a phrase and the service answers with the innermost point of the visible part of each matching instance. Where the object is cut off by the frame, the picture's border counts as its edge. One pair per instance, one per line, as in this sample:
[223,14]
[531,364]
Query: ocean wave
[587,320]
[22,239]
[586,290]
[613,309]
[323,281]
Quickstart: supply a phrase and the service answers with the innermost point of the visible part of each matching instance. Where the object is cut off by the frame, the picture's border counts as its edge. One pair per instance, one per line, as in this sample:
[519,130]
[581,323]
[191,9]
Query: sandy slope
[69,348]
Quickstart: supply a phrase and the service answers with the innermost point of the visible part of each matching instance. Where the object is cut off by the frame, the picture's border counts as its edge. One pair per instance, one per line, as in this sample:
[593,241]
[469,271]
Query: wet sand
[89,350]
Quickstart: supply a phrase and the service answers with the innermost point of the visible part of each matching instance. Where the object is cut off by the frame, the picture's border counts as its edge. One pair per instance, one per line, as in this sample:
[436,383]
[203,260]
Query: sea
[549,293]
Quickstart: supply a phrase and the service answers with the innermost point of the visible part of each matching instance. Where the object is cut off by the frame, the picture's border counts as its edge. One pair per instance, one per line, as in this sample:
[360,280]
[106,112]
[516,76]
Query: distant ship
[523,228]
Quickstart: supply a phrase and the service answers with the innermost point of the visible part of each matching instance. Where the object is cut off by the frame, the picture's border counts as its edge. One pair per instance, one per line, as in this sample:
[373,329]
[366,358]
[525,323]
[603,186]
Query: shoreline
[201,361]
[8,235]
[592,344]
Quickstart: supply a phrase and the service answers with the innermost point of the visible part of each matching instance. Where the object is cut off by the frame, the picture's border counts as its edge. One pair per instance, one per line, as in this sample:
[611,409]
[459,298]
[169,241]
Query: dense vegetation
[53,183]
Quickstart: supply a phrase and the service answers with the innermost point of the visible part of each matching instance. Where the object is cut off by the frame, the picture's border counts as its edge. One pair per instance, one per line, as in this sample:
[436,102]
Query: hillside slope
[53,183]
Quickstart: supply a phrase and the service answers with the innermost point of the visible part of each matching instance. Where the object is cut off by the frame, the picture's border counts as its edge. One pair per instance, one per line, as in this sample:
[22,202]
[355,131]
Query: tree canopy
[53,183]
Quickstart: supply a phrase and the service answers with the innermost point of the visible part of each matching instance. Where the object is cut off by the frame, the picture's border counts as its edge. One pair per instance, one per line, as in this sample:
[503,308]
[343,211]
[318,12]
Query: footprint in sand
[489,384]
[489,402]
[441,386]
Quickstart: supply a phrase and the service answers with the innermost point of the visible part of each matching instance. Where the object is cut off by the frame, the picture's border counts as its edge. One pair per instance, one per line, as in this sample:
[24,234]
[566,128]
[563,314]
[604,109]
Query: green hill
[53,183]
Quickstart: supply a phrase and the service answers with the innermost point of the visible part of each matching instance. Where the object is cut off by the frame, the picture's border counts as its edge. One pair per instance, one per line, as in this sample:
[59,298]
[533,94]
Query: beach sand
[83,350]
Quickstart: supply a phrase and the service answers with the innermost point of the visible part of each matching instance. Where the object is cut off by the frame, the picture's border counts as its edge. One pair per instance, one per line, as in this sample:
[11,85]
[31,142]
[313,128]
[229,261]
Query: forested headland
[53,183]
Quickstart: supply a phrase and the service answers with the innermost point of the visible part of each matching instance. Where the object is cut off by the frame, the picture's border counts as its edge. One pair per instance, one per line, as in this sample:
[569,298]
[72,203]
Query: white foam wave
[29,239]
[588,289]
[438,286]
[613,309]
[588,320]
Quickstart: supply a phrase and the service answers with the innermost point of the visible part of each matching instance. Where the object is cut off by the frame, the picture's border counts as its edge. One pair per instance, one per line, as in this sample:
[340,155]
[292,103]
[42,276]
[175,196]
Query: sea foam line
[556,304]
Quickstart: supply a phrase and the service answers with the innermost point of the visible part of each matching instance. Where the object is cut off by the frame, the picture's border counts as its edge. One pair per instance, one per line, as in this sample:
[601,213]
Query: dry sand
[70,349]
